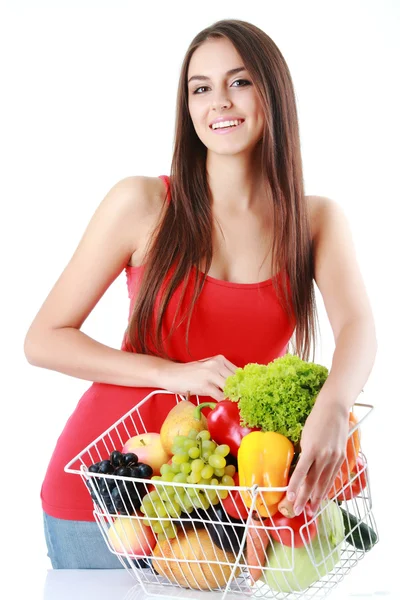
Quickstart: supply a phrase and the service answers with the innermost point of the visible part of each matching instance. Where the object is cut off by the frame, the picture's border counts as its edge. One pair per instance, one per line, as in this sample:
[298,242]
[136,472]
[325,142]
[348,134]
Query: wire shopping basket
[184,530]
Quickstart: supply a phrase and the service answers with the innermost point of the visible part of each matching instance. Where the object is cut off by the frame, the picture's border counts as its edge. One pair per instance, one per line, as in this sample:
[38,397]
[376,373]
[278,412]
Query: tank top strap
[165,178]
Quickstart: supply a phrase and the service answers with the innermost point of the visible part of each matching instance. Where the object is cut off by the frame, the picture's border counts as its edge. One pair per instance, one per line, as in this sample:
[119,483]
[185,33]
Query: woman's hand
[204,377]
[323,450]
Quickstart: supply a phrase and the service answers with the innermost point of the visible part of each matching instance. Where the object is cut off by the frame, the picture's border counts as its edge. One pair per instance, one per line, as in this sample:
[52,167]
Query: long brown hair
[183,238]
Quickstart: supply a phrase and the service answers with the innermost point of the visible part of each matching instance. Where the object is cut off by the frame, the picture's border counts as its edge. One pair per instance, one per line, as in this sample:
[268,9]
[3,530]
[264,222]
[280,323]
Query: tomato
[284,536]
[234,506]
[358,481]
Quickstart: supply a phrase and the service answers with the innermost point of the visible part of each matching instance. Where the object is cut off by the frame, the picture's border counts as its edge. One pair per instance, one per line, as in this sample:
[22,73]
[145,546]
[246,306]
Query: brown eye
[203,87]
[244,81]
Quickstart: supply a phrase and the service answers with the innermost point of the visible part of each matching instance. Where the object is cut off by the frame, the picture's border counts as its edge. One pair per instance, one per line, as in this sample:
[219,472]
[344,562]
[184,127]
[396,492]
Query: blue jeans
[77,545]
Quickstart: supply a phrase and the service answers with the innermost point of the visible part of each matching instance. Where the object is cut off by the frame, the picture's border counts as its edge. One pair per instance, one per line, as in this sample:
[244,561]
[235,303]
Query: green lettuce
[278,396]
[324,551]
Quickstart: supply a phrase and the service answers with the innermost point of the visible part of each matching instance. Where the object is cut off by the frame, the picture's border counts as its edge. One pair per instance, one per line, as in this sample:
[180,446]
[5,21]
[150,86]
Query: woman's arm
[54,340]
[70,351]
[339,279]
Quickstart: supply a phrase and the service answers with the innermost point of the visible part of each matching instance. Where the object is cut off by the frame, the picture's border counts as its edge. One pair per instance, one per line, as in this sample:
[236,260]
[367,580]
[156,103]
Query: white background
[88,97]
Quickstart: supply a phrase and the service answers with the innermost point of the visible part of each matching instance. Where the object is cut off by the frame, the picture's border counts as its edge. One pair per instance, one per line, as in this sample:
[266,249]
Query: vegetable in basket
[223,421]
[233,504]
[324,551]
[357,482]
[256,546]
[226,532]
[352,450]
[279,396]
[264,459]
[293,531]
[358,534]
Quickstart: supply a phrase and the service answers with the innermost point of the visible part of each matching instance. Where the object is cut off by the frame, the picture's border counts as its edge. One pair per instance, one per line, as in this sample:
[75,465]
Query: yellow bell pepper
[264,458]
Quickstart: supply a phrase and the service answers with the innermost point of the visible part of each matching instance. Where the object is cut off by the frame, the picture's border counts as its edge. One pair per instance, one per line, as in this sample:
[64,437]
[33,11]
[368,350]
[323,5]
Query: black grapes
[119,496]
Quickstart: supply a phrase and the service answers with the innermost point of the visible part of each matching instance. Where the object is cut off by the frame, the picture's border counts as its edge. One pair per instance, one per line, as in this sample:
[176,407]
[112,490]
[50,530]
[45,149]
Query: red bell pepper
[223,423]
[233,504]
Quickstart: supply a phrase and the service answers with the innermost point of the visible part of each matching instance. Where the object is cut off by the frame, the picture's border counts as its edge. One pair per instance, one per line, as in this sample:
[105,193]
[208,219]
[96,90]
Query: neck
[235,183]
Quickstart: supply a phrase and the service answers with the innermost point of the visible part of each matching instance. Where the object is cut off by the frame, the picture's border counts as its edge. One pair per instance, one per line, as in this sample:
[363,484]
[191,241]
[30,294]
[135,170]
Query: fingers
[298,476]
[226,364]
[231,367]
[216,394]
[314,474]
[313,482]
[225,370]
[220,384]
[325,485]
[320,488]
[217,371]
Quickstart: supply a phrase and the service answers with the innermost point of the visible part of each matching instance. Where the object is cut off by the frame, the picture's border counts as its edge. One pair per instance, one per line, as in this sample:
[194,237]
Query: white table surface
[375,577]
[119,585]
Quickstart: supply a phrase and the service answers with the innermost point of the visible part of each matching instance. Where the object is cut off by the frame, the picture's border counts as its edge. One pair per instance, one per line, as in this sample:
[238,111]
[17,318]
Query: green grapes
[217,461]
[197,461]
[194,452]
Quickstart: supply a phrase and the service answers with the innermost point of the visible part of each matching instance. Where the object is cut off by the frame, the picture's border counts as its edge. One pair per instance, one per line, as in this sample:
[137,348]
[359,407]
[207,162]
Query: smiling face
[223,89]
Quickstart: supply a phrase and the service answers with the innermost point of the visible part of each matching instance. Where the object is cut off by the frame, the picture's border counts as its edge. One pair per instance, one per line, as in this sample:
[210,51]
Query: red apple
[130,535]
[148,449]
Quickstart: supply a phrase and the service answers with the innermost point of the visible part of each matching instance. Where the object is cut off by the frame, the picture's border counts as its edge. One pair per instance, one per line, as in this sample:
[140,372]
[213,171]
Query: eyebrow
[230,72]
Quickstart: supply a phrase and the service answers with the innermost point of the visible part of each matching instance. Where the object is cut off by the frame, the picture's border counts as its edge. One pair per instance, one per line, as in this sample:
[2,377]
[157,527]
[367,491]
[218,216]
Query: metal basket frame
[237,580]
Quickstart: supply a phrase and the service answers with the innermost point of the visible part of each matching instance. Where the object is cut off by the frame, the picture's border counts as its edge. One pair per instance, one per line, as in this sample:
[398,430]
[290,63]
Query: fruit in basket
[196,460]
[130,535]
[119,496]
[179,421]
[160,509]
[205,572]
[118,459]
[324,549]
[148,449]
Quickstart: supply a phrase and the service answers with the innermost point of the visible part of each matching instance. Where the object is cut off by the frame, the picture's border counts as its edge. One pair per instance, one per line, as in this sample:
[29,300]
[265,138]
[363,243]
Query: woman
[234,209]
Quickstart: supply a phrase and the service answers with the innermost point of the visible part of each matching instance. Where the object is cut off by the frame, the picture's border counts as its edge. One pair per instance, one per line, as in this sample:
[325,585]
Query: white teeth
[225,124]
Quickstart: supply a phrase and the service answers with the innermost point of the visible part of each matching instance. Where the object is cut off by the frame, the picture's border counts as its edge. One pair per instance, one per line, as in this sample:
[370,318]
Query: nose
[220,101]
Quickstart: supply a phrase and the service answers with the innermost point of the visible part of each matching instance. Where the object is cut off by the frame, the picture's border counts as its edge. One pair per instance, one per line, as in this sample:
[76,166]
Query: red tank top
[242,321]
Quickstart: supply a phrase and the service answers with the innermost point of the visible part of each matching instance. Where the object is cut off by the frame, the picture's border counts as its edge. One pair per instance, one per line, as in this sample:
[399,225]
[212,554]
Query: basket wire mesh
[211,551]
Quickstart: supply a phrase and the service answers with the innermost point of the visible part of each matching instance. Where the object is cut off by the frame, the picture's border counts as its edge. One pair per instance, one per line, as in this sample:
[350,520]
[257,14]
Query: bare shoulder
[147,202]
[142,194]
[319,207]
[139,200]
